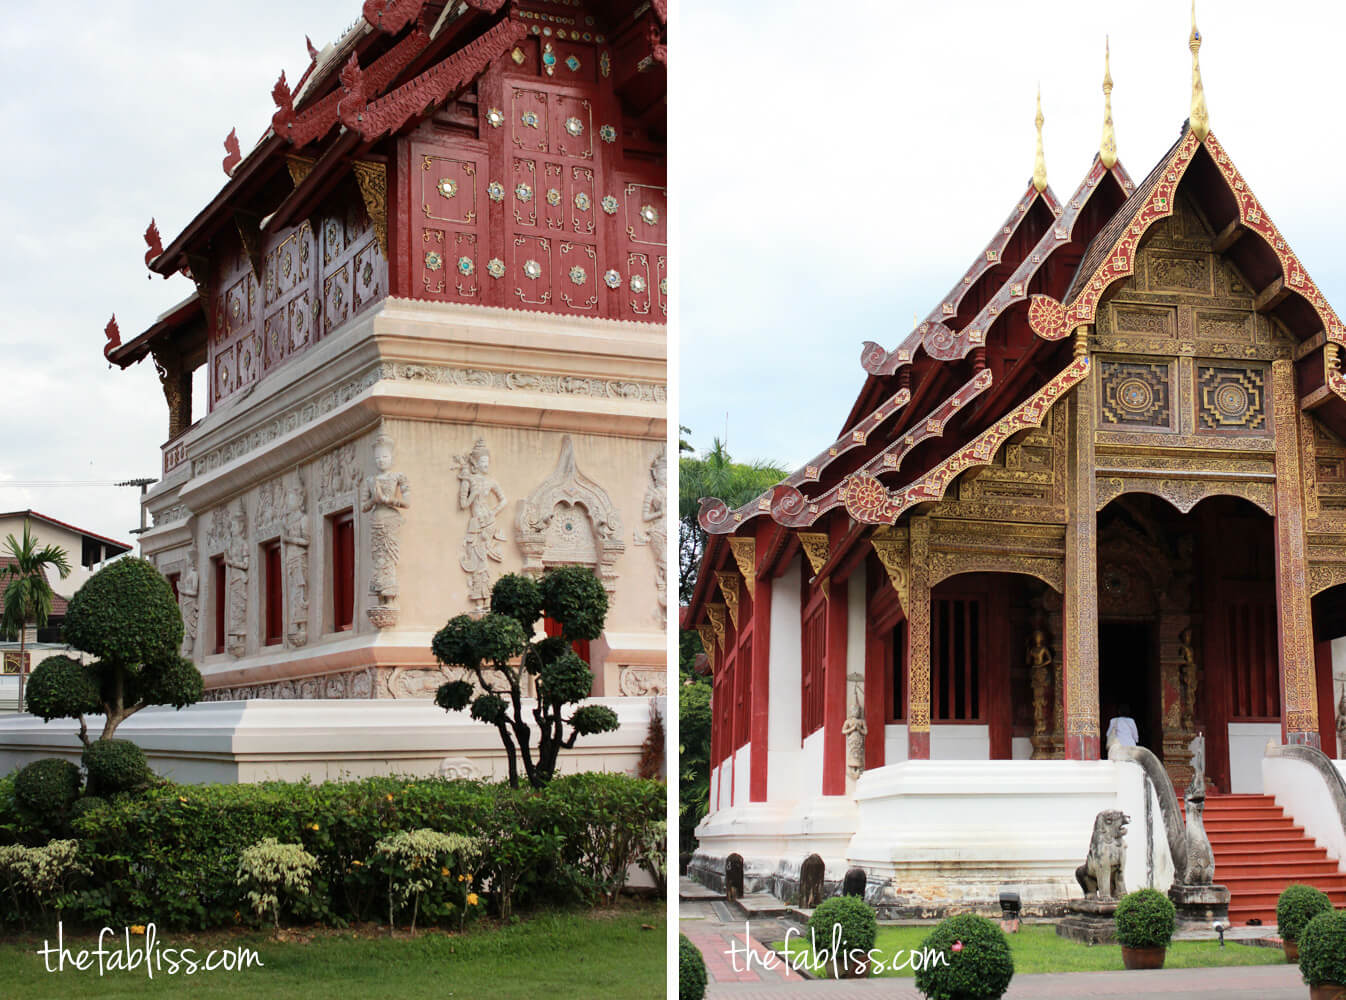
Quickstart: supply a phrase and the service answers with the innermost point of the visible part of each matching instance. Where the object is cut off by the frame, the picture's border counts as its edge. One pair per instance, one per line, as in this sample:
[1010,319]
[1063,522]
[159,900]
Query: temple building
[430,303]
[1104,477]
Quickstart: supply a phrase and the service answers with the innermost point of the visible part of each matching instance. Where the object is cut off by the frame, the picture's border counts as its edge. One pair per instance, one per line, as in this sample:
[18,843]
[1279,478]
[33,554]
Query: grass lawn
[1037,948]
[556,956]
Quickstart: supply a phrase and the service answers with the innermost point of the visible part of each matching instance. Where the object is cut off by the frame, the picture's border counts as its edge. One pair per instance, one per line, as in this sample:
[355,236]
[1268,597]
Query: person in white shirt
[1122,729]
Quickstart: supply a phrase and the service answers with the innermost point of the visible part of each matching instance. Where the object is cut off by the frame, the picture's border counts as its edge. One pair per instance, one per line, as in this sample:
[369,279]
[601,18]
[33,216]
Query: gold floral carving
[716,614]
[745,555]
[729,587]
[1080,670]
[1324,575]
[1292,585]
[815,546]
[1184,494]
[1049,570]
[918,630]
[373,181]
[707,633]
[299,167]
[892,550]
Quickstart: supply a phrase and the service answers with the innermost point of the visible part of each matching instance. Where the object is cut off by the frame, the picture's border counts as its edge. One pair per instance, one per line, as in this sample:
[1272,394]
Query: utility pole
[144,485]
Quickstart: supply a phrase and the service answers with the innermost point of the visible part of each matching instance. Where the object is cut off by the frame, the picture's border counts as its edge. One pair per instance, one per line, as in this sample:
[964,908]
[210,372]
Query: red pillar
[878,691]
[1327,708]
[760,714]
[834,692]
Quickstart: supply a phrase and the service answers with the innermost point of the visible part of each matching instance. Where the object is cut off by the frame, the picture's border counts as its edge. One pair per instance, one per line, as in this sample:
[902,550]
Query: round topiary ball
[1322,949]
[980,965]
[1297,906]
[846,926]
[125,613]
[48,787]
[575,597]
[566,679]
[62,687]
[86,804]
[691,970]
[519,597]
[115,766]
[1145,919]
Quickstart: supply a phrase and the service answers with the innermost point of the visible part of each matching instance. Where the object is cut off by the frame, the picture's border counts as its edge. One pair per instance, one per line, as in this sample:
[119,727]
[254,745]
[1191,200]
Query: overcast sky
[835,168]
[838,167]
[110,115]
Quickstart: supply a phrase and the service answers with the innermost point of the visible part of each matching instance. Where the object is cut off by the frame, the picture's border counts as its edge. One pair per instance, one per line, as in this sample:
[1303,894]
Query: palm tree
[28,595]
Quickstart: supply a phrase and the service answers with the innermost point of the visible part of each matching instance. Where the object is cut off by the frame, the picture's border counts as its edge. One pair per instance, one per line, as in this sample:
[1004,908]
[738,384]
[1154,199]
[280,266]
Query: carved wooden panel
[1136,394]
[1231,399]
[449,260]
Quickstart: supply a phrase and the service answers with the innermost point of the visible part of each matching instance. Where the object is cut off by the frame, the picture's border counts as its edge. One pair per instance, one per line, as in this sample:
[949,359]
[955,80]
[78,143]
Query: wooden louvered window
[812,665]
[1254,680]
[957,657]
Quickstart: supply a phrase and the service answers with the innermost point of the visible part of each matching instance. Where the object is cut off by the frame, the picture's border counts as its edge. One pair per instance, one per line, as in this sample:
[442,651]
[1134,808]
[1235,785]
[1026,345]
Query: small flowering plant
[271,873]
[429,871]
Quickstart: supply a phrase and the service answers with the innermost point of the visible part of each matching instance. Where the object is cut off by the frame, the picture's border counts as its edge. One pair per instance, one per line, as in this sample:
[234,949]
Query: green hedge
[1322,949]
[691,970]
[170,854]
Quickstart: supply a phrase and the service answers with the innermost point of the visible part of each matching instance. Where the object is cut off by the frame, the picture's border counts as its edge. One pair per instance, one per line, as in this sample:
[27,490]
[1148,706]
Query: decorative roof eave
[944,344]
[876,360]
[712,557]
[867,500]
[180,317]
[1053,320]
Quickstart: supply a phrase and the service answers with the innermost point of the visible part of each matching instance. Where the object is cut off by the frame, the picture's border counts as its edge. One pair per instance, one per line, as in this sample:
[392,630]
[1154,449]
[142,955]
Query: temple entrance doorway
[1188,631]
[1128,681]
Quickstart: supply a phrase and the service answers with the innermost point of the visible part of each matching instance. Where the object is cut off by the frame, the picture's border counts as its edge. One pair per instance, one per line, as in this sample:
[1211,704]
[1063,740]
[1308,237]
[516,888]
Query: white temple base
[937,836]
[263,740]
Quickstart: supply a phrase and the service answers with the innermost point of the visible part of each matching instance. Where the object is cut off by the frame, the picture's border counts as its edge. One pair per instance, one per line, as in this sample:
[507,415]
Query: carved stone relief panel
[189,592]
[338,478]
[236,560]
[383,496]
[653,515]
[481,496]
[569,519]
[295,543]
[641,682]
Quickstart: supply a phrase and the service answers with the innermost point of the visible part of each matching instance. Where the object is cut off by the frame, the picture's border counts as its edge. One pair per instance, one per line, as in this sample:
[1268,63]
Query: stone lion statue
[1101,873]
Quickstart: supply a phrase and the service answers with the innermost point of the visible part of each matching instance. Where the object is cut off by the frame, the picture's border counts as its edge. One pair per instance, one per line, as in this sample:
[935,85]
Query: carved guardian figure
[656,533]
[384,495]
[294,536]
[1200,858]
[189,590]
[854,730]
[236,565]
[483,499]
[1101,873]
[1039,666]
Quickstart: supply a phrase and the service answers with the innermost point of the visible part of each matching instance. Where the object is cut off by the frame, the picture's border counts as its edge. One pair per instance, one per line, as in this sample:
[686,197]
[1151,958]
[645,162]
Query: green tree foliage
[124,615]
[499,649]
[28,595]
[713,474]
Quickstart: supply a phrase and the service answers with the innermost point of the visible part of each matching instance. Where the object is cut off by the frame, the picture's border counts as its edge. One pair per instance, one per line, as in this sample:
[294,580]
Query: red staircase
[1259,851]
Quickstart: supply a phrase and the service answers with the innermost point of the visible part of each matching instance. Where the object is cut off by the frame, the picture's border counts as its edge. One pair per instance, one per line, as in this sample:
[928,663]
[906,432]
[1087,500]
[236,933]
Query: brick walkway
[705,925]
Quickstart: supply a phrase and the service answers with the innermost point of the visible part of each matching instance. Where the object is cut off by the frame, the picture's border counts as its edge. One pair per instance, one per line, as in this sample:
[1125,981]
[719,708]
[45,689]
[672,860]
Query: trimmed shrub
[1145,919]
[62,687]
[980,965]
[42,874]
[115,766]
[1322,949]
[48,787]
[1297,906]
[418,862]
[857,924]
[691,970]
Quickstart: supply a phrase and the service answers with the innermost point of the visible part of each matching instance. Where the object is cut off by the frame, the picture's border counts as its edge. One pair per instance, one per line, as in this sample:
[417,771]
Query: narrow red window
[219,599]
[343,572]
[273,598]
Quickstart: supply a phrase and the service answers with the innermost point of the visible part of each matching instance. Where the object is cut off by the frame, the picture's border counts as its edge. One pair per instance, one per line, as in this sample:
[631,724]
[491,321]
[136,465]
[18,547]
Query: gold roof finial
[1107,146]
[1039,160]
[1200,117]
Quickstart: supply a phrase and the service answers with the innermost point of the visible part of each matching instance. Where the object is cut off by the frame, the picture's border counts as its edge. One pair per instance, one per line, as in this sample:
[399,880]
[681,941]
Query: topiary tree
[1144,919]
[979,964]
[47,787]
[846,927]
[691,970]
[1322,949]
[126,616]
[500,651]
[1297,905]
[115,766]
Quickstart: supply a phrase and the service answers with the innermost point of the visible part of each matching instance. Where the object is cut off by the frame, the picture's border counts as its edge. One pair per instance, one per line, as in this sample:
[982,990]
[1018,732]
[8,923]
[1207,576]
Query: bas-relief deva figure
[189,589]
[236,563]
[1039,661]
[384,496]
[481,496]
[854,730]
[656,526]
[294,537]
[1341,726]
[1190,678]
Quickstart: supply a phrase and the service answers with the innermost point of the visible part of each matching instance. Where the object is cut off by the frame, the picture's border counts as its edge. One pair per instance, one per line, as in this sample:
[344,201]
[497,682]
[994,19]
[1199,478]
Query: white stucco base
[261,740]
[1247,743]
[1300,791]
[936,835]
